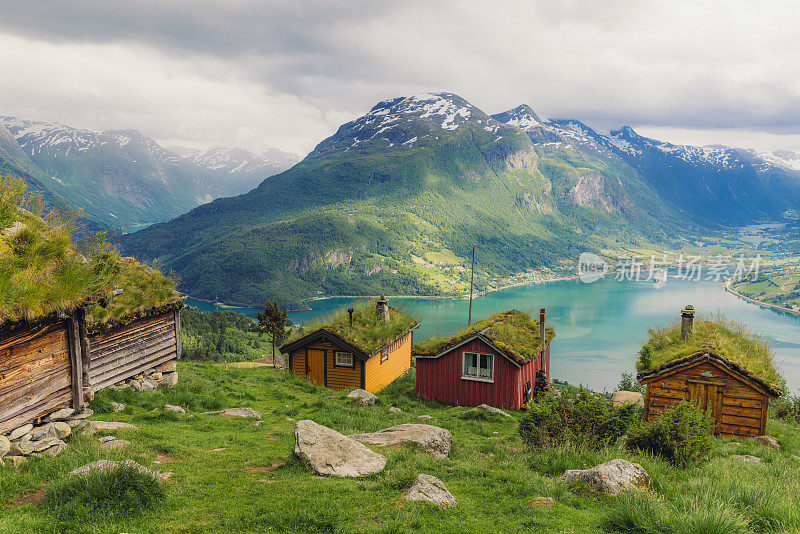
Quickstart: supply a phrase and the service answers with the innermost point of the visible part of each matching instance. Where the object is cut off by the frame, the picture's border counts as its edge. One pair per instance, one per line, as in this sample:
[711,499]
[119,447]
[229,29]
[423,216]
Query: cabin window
[478,367]
[384,354]
[344,359]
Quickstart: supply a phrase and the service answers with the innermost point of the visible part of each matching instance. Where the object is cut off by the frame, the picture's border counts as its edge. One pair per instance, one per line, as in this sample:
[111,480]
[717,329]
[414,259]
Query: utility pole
[471,284]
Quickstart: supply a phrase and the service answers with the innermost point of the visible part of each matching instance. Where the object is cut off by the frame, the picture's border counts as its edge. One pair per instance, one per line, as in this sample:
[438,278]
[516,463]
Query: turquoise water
[599,327]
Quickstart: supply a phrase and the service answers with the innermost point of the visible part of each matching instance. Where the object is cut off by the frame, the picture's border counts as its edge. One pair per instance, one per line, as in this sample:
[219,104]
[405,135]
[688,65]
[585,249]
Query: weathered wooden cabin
[700,367]
[494,361]
[72,323]
[366,347]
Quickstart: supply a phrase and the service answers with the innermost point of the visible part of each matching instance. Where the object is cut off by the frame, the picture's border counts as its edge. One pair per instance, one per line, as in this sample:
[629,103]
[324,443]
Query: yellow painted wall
[379,375]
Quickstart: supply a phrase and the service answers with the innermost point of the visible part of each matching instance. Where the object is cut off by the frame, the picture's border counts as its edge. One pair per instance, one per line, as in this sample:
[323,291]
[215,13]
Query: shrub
[114,494]
[787,409]
[581,419]
[681,435]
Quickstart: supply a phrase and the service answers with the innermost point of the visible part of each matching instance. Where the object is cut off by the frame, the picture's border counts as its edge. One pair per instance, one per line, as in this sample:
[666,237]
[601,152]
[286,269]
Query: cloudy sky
[287,73]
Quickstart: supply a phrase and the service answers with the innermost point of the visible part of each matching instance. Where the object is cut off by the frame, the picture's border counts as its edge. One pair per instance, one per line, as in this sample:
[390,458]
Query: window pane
[470,364]
[487,362]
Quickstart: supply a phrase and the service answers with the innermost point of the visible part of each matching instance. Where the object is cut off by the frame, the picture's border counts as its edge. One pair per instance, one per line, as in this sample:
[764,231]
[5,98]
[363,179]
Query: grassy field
[234,476]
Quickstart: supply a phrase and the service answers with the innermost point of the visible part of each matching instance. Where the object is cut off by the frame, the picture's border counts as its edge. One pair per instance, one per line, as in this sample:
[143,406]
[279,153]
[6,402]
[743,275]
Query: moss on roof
[731,339]
[43,272]
[369,333]
[513,332]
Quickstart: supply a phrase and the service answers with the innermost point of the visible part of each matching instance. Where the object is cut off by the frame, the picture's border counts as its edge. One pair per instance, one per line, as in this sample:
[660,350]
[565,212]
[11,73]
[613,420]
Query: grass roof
[44,272]
[513,332]
[717,335]
[368,333]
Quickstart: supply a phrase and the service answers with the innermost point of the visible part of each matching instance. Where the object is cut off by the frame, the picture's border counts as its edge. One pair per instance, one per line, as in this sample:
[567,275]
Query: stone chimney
[687,320]
[382,309]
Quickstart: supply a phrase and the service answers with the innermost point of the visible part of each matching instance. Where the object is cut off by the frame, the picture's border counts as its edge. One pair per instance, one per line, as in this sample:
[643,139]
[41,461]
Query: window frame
[336,359]
[384,354]
[477,377]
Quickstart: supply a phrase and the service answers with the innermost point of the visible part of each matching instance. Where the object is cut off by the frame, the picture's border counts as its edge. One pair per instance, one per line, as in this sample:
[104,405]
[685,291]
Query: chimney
[382,309]
[541,335]
[687,319]
[350,312]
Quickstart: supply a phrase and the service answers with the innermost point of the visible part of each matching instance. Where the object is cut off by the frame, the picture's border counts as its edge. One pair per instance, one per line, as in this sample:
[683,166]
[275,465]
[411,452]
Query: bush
[787,409]
[681,435]
[114,494]
[582,419]
[627,382]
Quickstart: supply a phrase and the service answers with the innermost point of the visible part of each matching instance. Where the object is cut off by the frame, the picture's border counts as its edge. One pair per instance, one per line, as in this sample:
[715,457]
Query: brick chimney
[382,309]
[687,320]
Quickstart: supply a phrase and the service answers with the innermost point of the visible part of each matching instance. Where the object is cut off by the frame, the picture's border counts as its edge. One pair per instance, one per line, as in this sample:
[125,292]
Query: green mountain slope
[394,201]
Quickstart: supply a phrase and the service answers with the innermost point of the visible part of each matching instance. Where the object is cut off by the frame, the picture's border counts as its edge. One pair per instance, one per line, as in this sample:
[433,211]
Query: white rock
[106,439]
[487,408]
[117,406]
[241,412]
[59,415]
[330,453]
[621,398]
[17,433]
[431,489]
[108,465]
[425,417]
[173,408]
[436,441]
[365,398]
[5,446]
[611,477]
[395,409]
[170,379]
[747,458]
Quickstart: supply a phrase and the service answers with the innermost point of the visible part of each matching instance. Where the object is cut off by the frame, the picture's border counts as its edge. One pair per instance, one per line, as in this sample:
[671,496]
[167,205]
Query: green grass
[731,339]
[253,484]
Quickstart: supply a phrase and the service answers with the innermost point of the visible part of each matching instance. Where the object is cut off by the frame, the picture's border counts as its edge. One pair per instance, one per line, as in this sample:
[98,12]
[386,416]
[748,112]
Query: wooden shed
[716,366]
[495,361]
[368,352]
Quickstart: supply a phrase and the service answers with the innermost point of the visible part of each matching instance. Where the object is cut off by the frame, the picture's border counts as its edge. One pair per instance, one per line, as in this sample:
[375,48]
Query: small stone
[241,412]
[117,406]
[107,465]
[59,415]
[543,501]
[736,444]
[490,409]
[431,489]
[106,439]
[395,409]
[15,461]
[115,444]
[364,398]
[169,379]
[173,408]
[22,447]
[17,433]
[5,446]
[611,477]
[769,442]
[747,458]
[167,367]
[85,414]
[157,376]
[424,417]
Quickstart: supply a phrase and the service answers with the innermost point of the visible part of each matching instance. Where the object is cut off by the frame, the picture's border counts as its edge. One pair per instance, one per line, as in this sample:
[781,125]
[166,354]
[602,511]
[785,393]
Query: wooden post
[76,362]
[178,333]
[86,347]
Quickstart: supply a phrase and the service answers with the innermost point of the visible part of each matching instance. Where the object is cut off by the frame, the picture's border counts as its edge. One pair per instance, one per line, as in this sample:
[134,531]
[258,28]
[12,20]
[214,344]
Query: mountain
[120,177]
[240,169]
[394,201]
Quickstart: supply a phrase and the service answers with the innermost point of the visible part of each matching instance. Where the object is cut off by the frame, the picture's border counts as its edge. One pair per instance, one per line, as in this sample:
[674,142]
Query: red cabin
[494,361]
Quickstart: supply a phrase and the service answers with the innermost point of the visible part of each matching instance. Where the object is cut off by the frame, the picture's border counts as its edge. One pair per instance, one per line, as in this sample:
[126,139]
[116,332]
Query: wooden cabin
[736,397]
[367,347]
[495,361]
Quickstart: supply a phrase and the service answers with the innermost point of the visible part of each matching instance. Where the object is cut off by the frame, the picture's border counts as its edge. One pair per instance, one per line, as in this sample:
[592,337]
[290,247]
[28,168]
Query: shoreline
[758,303]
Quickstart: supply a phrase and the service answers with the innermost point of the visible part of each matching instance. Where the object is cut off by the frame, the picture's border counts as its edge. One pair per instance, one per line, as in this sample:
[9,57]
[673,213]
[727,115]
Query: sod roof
[368,333]
[749,352]
[513,333]
[44,272]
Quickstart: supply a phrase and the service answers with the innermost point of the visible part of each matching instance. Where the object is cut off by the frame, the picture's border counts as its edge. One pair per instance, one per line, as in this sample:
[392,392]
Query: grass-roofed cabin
[717,364]
[74,317]
[368,352]
[494,361]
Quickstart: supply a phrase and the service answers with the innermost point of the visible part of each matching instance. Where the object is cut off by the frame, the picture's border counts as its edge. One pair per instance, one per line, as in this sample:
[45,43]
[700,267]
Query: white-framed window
[478,367]
[344,359]
[384,354]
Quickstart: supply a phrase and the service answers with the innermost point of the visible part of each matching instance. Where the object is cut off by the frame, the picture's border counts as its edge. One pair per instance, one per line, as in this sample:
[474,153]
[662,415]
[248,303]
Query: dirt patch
[266,468]
[162,458]
[32,497]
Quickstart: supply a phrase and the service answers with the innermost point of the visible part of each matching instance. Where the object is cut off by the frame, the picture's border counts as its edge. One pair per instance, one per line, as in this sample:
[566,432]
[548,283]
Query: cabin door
[316,366]
[708,396]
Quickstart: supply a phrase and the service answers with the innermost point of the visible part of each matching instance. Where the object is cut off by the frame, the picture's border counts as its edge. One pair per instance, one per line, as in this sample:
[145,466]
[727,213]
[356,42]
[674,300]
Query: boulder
[109,465]
[490,409]
[5,446]
[85,414]
[241,412]
[59,429]
[21,447]
[46,443]
[431,489]
[436,441]
[769,442]
[169,379]
[330,453]
[611,477]
[364,398]
[621,398]
[173,408]
[117,406]
[59,415]
[115,444]
[17,433]
[54,450]
[395,409]
[93,427]
[747,458]
[167,367]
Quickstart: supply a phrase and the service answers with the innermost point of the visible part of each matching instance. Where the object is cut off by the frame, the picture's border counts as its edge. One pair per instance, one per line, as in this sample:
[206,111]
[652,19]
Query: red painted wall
[440,379]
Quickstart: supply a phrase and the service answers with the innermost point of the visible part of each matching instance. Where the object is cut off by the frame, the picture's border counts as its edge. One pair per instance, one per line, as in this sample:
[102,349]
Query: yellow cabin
[365,347]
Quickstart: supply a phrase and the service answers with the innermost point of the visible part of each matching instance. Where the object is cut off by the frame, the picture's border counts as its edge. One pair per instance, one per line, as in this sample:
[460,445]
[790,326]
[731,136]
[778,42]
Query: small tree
[276,322]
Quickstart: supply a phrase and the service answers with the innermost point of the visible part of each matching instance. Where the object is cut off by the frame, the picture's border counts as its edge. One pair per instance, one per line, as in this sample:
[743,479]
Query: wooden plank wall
[380,374]
[131,349]
[743,407]
[35,373]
